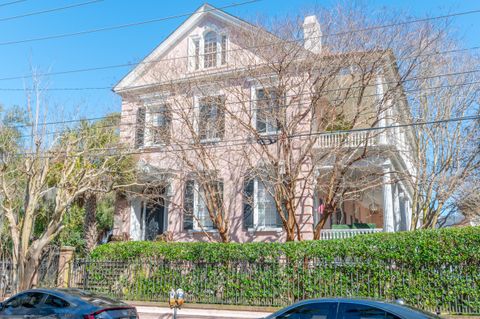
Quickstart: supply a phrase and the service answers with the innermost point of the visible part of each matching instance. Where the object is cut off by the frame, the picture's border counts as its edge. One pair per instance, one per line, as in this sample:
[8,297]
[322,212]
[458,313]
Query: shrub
[450,245]
[432,269]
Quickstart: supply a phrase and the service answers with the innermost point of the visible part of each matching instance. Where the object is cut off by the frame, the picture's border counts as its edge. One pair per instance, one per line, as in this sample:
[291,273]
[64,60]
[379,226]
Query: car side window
[56,302]
[319,310]
[358,311]
[33,299]
[16,301]
[27,300]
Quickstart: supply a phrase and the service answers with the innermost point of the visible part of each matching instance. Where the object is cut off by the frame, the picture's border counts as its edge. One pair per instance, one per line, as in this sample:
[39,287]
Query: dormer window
[208,50]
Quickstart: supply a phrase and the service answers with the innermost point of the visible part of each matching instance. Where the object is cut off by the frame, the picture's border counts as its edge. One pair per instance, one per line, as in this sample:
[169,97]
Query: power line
[116,66]
[249,141]
[49,10]
[11,2]
[232,70]
[121,26]
[129,115]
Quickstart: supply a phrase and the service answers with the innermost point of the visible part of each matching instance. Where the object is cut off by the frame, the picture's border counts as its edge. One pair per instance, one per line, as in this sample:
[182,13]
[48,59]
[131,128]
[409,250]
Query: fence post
[64,265]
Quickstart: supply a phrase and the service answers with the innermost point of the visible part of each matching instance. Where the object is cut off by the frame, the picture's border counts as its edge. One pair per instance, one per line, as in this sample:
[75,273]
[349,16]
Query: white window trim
[254,108]
[149,120]
[196,115]
[200,37]
[196,202]
[256,227]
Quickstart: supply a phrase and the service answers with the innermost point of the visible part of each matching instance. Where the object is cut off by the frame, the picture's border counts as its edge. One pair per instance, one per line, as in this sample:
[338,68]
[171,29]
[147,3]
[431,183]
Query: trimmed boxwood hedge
[437,270]
[449,245]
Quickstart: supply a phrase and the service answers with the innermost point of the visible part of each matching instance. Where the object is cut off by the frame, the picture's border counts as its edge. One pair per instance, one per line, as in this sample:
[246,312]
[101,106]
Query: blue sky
[132,44]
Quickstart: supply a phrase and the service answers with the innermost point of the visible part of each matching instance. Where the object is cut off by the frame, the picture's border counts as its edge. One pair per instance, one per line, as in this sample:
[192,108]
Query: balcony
[354,139]
[346,233]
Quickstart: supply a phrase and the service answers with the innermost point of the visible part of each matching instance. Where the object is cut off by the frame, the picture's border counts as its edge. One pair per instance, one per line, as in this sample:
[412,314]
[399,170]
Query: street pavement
[149,312]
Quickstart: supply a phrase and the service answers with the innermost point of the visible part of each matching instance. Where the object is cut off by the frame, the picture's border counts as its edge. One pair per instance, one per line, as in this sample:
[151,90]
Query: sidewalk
[152,312]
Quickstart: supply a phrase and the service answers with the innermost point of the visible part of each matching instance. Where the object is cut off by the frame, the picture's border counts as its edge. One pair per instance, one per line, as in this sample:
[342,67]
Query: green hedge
[434,270]
[450,245]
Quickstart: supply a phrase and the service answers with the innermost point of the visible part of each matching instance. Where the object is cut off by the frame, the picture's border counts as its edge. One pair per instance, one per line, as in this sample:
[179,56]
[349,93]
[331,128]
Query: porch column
[397,213]
[408,214]
[388,223]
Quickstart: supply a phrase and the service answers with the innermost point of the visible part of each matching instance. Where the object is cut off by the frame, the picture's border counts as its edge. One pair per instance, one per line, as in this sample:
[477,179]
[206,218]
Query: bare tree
[60,167]
[302,111]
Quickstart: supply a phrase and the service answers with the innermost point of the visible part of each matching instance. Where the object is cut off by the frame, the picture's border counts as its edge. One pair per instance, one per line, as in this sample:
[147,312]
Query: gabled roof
[160,50]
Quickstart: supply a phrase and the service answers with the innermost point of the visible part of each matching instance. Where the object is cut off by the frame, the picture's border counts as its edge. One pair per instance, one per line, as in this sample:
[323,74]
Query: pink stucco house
[170,111]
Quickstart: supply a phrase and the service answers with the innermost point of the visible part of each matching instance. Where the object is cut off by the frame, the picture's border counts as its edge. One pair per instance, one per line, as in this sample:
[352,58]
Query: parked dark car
[343,308]
[65,303]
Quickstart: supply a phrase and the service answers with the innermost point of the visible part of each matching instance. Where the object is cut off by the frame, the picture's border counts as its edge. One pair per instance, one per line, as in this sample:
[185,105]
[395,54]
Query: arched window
[210,50]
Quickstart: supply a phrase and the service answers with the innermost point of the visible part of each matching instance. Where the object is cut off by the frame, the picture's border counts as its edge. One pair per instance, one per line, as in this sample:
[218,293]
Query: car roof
[395,308]
[77,297]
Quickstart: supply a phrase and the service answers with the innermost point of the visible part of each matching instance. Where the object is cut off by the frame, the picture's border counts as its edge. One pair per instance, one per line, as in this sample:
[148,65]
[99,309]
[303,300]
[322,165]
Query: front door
[154,219]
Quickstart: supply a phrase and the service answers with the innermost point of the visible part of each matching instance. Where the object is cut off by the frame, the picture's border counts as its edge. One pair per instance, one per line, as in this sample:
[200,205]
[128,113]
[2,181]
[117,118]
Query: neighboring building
[188,83]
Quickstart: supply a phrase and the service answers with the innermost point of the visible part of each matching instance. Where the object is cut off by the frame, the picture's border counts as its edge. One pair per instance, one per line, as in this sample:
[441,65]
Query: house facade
[231,140]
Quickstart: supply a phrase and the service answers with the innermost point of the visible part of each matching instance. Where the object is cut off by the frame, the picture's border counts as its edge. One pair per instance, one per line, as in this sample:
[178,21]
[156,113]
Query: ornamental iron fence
[441,288]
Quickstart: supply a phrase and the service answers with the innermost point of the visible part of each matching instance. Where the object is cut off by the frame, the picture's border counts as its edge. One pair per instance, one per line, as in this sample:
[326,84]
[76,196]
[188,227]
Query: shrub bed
[434,269]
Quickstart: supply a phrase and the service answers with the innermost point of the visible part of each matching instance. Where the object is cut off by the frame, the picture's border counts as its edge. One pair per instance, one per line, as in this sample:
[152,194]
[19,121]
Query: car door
[28,303]
[54,305]
[313,310]
[362,311]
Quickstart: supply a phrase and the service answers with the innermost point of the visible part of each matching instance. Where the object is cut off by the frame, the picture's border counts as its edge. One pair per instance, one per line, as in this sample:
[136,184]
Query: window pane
[266,208]
[212,118]
[312,311]
[210,50]
[268,112]
[160,125]
[205,198]
[356,311]
[196,44]
[224,49]
[56,302]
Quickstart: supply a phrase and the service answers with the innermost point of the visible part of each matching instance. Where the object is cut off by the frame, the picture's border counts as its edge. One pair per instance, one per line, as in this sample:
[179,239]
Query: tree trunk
[90,226]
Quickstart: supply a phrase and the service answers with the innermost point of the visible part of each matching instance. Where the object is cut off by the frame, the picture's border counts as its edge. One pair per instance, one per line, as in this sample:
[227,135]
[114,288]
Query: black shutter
[248,203]
[188,205]
[140,127]
[221,117]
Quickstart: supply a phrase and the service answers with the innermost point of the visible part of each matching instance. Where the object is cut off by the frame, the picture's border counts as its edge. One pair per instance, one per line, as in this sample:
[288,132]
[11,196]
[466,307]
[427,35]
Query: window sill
[200,231]
[210,140]
[264,229]
[209,70]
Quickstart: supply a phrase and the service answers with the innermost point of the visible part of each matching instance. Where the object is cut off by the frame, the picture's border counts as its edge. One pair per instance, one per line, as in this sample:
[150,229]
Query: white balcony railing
[347,233]
[354,139]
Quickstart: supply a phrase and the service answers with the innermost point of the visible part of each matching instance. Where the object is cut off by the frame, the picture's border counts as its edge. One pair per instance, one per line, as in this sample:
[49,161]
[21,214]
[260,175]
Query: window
[140,127]
[56,302]
[211,124]
[259,207]
[196,45]
[312,311]
[27,300]
[198,199]
[160,119]
[358,311]
[210,50]
[224,49]
[269,114]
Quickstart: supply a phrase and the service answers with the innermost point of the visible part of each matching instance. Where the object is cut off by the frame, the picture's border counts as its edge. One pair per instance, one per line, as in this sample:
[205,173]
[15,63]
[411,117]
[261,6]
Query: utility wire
[132,114]
[50,10]
[121,26]
[129,64]
[247,141]
[11,2]
[233,70]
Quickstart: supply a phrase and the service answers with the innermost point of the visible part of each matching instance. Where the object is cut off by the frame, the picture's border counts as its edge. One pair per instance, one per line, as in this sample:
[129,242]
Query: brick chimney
[312,34]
